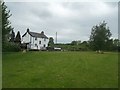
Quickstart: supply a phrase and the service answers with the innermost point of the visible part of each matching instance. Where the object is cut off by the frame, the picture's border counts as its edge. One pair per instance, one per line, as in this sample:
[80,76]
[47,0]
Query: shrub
[11,47]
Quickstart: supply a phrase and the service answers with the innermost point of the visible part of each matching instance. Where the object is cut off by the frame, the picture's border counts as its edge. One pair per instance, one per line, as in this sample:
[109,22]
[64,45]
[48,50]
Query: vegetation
[11,47]
[8,35]
[12,36]
[99,40]
[18,38]
[74,47]
[6,26]
[51,42]
[60,70]
[100,37]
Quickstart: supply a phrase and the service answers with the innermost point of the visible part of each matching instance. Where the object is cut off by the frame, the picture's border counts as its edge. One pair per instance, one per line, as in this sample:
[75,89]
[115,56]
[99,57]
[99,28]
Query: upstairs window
[39,42]
[44,39]
[35,38]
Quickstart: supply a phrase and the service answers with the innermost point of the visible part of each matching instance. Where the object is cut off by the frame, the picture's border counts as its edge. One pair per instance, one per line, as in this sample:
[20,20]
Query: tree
[109,45]
[116,42]
[6,25]
[51,42]
[12,36]
[18,38]
[74,43]
[100,34]
[84,43]
[116,45]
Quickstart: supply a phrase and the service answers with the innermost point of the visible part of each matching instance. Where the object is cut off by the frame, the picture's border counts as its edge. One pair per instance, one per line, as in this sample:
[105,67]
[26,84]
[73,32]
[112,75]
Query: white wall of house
[39,43]
[26,38]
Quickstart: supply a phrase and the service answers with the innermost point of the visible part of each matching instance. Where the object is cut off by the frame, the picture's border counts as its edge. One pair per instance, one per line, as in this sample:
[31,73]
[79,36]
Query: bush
[10,47]
[50,48]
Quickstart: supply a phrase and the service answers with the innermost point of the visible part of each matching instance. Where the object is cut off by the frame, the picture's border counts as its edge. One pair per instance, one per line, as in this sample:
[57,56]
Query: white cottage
[33,40]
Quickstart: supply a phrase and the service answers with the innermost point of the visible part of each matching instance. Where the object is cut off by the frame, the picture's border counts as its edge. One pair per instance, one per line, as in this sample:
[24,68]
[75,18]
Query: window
[44,39]
[44,45]
[35,38]
[36,46]
[39,42]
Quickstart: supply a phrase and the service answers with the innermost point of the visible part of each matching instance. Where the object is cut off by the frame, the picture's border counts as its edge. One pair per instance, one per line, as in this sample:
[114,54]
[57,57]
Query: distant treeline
[85,46]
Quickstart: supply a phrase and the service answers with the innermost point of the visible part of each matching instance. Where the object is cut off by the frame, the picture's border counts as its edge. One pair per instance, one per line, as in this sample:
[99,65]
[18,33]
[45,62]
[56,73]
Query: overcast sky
[71,20]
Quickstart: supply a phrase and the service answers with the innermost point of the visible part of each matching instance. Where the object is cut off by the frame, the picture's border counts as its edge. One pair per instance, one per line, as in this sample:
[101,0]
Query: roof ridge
[34,32]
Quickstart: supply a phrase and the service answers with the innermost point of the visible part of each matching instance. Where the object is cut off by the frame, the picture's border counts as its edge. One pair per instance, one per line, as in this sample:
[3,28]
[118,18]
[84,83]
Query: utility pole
[56,37]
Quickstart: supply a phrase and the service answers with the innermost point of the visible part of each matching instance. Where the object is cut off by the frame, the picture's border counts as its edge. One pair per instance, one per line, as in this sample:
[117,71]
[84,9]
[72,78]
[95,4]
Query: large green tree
[7,46]
[51,42]
[6,25]
[100,35]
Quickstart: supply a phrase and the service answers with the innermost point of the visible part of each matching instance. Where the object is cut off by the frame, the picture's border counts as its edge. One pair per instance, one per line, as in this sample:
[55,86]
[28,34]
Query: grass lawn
[60,70]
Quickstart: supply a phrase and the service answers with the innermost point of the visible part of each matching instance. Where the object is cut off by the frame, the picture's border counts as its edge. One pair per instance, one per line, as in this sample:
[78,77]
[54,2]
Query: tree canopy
[100,36]
[51,42]
[12,36]
[18,38]
[6,25]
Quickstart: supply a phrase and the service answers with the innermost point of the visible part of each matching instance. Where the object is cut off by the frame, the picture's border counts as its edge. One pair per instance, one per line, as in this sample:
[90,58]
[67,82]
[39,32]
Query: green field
[60,70]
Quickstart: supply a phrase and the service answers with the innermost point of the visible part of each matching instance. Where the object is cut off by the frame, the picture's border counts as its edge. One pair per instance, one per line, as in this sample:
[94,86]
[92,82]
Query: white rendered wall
[26,38]
[40,46]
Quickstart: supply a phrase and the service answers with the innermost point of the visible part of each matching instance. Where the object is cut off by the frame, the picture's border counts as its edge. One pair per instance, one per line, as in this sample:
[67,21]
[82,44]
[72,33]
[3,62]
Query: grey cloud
[44,14]
[75,24]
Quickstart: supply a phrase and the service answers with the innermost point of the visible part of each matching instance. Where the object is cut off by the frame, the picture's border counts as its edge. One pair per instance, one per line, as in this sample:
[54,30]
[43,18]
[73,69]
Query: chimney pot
[42,32]
[27,29]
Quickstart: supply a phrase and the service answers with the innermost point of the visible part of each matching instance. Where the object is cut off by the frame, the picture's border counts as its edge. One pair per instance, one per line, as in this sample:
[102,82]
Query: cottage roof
[34,34]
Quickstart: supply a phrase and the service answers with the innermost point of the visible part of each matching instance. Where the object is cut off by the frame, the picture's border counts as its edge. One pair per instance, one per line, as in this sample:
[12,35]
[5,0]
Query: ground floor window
[44,45]
[39,42]
[35,44]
